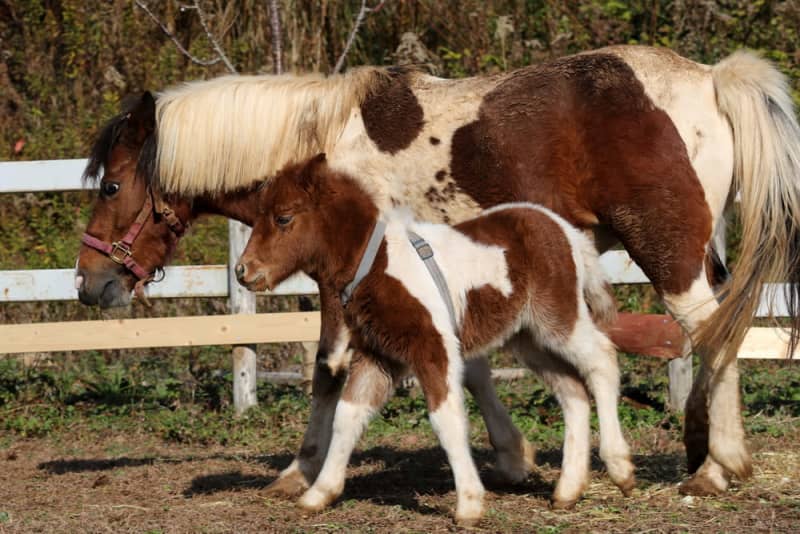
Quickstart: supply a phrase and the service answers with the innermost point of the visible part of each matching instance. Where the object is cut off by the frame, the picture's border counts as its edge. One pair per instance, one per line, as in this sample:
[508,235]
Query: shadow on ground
[384,475]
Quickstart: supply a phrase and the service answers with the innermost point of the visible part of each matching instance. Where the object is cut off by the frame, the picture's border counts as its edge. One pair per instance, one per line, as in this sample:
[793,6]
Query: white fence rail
[211,281]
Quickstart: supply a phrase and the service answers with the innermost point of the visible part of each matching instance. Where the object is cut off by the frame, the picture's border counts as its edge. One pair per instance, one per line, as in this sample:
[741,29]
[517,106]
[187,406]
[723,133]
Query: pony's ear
[308,176]
[141,118]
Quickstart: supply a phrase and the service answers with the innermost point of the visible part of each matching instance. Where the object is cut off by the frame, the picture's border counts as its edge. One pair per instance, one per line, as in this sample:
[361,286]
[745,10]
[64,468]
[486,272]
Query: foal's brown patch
[540,267]
[581,137]
[387,321]
[392,115]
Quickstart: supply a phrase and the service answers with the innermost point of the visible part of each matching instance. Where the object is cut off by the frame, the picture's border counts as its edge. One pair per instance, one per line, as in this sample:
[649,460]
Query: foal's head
[121,159]
[311,219]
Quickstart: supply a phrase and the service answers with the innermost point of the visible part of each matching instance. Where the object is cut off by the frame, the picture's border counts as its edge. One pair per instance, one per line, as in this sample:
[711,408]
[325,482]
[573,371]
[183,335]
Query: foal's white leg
[594,356]
[596,360]
[348,424]
[515,454]
[449,421]
[366,390]
[570,391]
[718,396]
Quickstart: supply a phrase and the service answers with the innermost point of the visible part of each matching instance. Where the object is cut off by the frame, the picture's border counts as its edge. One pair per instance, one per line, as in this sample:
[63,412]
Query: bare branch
[277,36]
[362,13]
[220,52]
[178,45]
[194,59]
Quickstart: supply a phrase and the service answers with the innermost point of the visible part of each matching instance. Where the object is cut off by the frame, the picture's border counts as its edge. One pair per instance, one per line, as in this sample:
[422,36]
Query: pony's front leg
[367,389]
[326,389]
[515,454]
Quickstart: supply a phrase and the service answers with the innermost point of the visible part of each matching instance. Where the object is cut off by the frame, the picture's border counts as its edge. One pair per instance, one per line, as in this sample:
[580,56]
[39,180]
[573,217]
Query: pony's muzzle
[102,289]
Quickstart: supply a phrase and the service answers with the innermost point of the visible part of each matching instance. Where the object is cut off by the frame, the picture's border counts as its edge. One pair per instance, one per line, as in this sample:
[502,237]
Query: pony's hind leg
[713,409]
[570,391]
[367,388]
[515,454]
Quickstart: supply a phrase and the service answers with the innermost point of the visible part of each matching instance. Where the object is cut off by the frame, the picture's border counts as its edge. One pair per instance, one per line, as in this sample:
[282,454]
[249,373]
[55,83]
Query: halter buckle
[118,247]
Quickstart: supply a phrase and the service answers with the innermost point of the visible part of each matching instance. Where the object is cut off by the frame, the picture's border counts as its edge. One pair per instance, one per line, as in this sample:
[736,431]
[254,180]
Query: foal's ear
[141,118]
[309,174]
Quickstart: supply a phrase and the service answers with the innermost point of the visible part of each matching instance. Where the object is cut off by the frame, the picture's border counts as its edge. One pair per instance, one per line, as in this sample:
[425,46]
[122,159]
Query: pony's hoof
[315,500]
[515,468]
[288,486]
[699,486]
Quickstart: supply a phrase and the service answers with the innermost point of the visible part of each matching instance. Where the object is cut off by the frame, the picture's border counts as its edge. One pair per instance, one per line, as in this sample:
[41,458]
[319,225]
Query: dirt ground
[135,483]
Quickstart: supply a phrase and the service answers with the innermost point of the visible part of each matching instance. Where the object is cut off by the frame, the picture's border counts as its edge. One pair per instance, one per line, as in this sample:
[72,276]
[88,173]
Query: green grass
[187,400]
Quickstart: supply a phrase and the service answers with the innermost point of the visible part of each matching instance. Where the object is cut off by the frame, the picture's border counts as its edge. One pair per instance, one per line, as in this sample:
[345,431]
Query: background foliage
[66,64]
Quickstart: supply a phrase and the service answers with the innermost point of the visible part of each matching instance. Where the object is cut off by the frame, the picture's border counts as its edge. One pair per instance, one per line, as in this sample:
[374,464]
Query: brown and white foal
[518,273]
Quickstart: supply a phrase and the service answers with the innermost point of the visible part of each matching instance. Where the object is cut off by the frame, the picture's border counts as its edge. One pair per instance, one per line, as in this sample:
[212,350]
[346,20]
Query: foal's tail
[596,289]
[755,98]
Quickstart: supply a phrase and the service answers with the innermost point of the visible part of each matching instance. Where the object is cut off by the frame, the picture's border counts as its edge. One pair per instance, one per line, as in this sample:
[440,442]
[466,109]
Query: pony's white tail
[596,289]
[755,98]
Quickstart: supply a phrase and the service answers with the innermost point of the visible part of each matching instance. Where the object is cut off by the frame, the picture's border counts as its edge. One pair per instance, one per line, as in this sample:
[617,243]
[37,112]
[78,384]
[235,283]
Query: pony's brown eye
[110,188]
[283,220]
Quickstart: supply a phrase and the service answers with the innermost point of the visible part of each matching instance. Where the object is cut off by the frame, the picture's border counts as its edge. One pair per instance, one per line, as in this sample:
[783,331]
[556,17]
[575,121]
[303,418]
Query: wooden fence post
[680,379]
[241,301]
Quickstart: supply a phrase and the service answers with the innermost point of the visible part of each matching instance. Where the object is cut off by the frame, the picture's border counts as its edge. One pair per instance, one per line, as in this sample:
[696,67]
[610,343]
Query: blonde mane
[226,133]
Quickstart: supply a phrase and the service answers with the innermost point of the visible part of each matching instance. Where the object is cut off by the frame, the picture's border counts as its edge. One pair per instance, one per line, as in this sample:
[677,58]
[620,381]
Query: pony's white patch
[226,133]
[409,174]
[339,357]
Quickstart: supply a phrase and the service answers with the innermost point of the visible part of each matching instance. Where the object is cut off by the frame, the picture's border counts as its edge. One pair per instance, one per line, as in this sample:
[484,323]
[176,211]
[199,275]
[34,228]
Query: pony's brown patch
[581,137]
[392,115]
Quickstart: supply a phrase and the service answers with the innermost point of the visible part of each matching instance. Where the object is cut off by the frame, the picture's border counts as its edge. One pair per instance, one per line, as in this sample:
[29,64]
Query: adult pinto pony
[638,144]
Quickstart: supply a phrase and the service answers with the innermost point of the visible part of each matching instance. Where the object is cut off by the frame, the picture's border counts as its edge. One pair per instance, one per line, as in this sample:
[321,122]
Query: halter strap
[121,251]
[366,261]
[425,252]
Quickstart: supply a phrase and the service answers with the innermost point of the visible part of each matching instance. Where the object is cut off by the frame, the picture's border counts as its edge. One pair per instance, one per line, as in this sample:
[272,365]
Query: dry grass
[89,481]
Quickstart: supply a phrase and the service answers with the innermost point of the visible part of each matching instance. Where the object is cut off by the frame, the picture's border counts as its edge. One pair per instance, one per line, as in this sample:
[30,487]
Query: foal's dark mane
[108,138]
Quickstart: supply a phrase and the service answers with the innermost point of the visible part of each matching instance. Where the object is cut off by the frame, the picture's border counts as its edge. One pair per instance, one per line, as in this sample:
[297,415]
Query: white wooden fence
[241,329]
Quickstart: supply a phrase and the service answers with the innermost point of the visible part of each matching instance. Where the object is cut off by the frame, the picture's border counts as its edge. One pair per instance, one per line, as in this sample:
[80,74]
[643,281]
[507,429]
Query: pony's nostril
[239,270]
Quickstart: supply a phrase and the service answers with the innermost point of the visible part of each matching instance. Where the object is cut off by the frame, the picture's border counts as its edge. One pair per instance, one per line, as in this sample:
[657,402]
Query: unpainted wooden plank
[160,332]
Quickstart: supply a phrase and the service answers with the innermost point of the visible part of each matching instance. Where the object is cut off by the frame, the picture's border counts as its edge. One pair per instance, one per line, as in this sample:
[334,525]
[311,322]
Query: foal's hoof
[563,504]
[288,486]
[467,522]
[699,486]
[315,500]
[626,486]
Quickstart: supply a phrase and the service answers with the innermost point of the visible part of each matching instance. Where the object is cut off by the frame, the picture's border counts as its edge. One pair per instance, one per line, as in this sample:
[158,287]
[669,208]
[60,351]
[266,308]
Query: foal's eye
[283,220]
[110,188]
